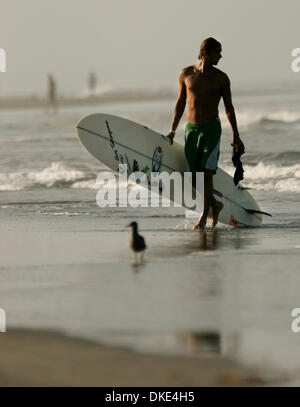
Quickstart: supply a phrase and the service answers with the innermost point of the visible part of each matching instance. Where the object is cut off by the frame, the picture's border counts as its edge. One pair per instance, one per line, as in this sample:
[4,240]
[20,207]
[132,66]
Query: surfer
[92,83]
[201,86]
[51,92]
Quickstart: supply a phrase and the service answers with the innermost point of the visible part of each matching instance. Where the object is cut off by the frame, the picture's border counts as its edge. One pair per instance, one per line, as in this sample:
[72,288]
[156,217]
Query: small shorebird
[137,242]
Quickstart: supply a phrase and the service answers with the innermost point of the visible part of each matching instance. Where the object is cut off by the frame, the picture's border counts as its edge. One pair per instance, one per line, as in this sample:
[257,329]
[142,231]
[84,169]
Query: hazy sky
[143,43]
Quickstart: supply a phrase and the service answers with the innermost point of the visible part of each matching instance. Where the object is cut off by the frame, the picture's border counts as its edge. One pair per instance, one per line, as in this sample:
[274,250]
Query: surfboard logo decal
[234,222]
[135,166]
[128,164]
[157,159]
[112,141]
[145,169]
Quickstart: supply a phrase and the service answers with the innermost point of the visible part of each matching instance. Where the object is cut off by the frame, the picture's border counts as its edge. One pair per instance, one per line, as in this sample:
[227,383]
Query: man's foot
[200,224]
[216,211]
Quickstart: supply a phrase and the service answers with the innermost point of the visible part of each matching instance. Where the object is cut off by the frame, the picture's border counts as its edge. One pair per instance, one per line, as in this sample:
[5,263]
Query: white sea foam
[259,177]
[57,174]
[287,185]
[100,90]
[93,184]
[250,116]
[86,184]
[259,117]
[262,171]
[270,177]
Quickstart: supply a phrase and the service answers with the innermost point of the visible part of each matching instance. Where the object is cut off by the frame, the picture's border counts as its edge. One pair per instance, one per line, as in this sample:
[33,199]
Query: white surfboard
[114,140]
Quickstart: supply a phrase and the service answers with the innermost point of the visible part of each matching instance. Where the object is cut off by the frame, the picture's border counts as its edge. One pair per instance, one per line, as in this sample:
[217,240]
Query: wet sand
[203,286]
[41,358]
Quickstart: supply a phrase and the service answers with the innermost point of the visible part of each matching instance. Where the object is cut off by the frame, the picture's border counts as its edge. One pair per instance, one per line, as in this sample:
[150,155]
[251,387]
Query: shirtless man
[202,86]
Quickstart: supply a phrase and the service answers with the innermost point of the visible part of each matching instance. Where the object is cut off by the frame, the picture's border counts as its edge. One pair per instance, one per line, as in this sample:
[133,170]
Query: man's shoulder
[222,75]
[188,70]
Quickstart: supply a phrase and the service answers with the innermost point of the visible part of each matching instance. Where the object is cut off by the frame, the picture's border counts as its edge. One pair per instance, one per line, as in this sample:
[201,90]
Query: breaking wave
[58,174]
[266,177]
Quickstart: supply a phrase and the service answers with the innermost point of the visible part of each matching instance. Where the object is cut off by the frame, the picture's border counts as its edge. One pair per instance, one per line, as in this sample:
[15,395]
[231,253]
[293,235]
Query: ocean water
[65,262]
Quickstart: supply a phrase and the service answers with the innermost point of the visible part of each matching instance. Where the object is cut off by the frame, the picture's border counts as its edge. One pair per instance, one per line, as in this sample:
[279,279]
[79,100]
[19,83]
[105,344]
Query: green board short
[202,145]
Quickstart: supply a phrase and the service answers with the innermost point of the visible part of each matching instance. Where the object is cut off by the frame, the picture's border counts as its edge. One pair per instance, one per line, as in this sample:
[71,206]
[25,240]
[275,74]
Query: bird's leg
[142,256]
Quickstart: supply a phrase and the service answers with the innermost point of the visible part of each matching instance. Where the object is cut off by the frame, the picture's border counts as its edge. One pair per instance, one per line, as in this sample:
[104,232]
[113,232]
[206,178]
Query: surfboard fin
[245,188]
[255,211]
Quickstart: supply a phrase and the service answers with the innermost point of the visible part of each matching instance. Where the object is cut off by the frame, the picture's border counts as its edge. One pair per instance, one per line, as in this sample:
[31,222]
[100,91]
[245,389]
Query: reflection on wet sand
[203,342]
[208,239]
[137,266]
[213,239]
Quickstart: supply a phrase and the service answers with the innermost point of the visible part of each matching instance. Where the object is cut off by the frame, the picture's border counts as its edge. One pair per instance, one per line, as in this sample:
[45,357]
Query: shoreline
[48,358]
[35,101]
[42,103]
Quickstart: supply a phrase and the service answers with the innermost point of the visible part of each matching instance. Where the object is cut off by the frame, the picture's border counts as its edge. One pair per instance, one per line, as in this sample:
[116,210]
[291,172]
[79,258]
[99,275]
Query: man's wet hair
[207,46]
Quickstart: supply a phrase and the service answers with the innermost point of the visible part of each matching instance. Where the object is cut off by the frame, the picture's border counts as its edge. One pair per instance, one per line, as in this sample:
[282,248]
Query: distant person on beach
[202,86]
[52,93]
[92,83]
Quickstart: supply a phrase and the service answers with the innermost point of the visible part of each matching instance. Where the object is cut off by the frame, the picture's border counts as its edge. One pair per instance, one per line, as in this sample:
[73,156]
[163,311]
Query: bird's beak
[128,226]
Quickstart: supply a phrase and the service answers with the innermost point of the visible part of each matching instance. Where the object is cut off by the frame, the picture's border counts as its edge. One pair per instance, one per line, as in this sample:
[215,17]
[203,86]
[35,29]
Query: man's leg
[216,207]
[208,188]
[209,201]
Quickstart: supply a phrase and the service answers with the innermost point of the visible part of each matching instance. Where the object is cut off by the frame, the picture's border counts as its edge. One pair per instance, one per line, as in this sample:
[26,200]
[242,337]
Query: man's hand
[238,144]
[170,135]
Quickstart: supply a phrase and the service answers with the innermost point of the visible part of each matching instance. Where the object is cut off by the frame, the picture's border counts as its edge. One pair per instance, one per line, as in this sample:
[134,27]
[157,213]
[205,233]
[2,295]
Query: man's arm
[179,107]
[226,94]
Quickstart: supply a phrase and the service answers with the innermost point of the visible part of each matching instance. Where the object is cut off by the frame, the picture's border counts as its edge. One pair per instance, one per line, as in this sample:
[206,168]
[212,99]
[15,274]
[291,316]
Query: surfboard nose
[91,121]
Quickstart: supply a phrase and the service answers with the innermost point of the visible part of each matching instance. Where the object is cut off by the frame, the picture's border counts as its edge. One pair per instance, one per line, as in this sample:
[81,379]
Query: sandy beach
[40,358]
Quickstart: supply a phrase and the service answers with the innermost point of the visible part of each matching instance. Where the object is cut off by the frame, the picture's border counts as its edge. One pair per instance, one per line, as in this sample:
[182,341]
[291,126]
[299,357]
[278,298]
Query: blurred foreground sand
[38,358]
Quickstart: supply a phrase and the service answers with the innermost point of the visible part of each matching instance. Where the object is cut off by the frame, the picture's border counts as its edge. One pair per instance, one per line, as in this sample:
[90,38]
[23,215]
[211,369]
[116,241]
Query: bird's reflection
[204,342]
[138,266]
